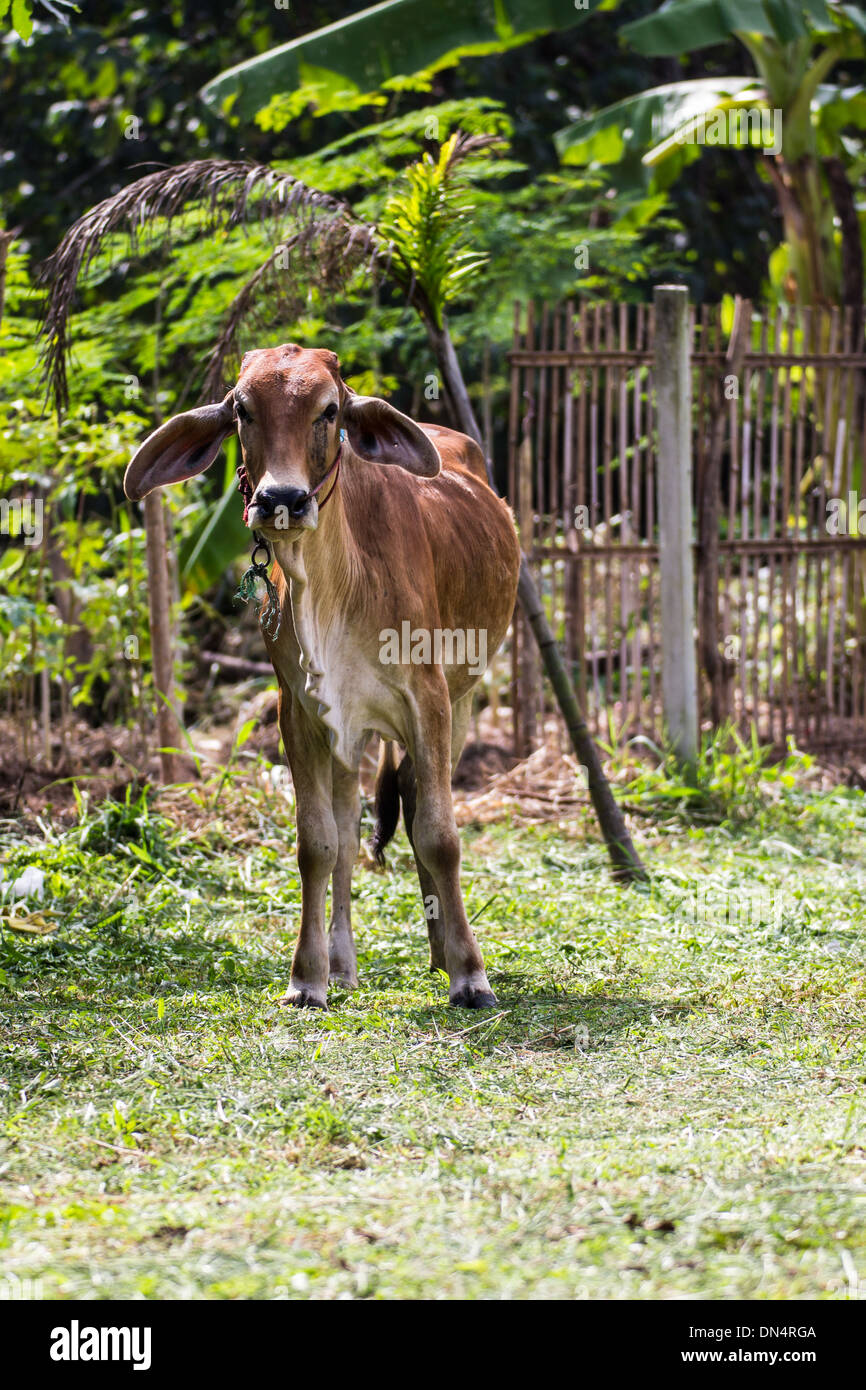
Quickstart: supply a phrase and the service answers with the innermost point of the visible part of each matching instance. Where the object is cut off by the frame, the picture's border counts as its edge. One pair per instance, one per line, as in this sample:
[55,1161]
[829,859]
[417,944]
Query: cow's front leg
[310,761]
[347,813]
[437,845]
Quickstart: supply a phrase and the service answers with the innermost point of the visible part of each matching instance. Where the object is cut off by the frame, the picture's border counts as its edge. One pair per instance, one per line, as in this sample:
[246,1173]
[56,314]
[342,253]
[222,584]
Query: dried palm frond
[328,251]
[327,245]
[465,146]
[226,192]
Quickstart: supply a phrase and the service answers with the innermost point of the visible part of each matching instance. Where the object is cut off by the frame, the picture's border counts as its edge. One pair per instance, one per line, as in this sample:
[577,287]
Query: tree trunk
[159,601]
[627,866]
[160,574]
[528,681]
[845,207]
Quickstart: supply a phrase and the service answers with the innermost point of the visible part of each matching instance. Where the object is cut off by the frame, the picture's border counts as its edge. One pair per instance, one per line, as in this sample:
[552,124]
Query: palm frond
[331,250]
[428,220]
[328,243]
[464,146]
[226,192]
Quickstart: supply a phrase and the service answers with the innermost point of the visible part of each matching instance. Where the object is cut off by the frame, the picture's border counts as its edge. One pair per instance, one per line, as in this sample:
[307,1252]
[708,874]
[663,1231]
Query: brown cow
[378,570]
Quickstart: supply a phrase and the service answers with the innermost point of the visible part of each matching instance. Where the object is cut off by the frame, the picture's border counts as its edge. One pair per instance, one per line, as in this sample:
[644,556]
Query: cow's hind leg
[437,845]
[342,959]
[432,907]
[461,714]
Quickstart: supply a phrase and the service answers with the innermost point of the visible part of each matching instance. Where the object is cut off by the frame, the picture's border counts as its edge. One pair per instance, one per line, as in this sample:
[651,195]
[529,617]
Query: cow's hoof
[304,997]
[472,997]
[343,979]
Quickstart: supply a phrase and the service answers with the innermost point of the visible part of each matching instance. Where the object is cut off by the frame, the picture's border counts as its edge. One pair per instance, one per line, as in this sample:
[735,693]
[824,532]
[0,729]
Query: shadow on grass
[547,1022]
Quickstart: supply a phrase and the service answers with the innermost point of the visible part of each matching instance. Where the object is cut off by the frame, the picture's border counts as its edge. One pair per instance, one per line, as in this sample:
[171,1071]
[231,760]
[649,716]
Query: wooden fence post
[673,387]
[6,239]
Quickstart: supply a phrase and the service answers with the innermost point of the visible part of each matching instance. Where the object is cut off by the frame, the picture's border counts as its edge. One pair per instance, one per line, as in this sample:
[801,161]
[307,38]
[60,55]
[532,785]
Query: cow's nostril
[263,501]
[297,500]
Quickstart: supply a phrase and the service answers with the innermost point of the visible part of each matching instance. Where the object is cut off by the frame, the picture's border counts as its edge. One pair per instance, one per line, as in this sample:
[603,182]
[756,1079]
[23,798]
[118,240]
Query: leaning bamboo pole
[627,865]
[159,594]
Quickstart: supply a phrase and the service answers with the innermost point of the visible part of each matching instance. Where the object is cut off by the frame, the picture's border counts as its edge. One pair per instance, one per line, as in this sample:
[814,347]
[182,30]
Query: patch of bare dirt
[490,783]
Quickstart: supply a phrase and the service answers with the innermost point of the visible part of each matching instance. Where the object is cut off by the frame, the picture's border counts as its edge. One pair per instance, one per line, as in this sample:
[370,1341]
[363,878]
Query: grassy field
[669,1101]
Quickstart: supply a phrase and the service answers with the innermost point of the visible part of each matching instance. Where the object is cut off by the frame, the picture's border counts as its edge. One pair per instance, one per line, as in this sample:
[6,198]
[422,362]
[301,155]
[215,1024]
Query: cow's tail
[386,801]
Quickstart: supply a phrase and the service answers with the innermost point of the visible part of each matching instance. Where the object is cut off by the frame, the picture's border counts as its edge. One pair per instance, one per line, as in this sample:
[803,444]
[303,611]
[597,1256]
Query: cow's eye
[329,413]
[242,413]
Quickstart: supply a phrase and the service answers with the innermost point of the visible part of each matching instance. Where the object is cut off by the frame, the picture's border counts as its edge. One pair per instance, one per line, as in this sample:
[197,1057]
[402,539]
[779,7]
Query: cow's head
[288,407]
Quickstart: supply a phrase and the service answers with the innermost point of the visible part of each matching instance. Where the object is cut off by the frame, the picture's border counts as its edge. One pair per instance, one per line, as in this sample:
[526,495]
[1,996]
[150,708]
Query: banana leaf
[636,124]
[681,26]
[343,64]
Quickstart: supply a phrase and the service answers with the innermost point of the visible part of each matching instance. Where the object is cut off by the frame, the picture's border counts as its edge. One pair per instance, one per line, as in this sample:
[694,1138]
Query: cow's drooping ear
[380,434]
[185,445]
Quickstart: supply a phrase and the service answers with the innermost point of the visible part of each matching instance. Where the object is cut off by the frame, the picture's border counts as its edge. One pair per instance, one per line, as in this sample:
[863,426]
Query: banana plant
[794,45]
[398,45]
[807,148]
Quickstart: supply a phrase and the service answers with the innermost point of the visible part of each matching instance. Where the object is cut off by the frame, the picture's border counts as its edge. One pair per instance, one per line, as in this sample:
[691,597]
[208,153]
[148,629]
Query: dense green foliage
[805,121]
[92,101]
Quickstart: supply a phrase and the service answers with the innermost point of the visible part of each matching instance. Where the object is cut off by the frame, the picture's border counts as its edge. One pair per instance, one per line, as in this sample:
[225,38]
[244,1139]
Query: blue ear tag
[342,436]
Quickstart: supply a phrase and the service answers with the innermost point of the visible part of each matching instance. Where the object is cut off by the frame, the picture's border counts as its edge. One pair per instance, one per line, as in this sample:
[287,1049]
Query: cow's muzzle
[281,508]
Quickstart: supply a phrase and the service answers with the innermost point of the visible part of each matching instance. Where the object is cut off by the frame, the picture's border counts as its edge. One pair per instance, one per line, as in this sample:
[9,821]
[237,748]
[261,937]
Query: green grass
[668,1102]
